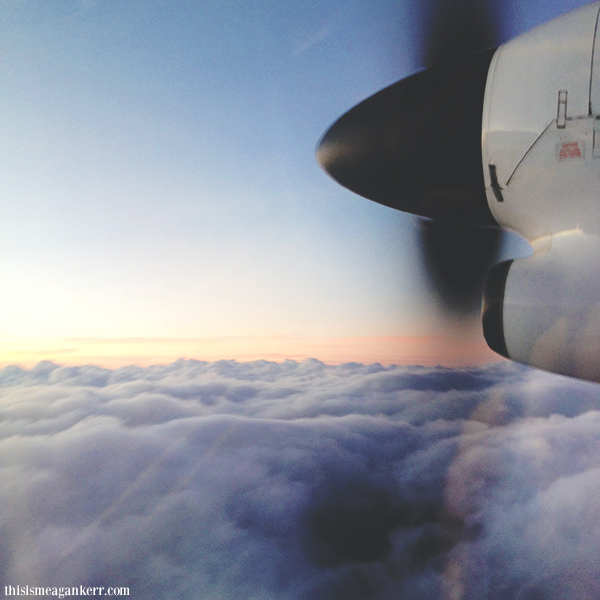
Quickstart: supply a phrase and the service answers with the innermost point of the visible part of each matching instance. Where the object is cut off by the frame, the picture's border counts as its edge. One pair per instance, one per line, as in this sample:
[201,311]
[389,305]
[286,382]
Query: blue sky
[158,180]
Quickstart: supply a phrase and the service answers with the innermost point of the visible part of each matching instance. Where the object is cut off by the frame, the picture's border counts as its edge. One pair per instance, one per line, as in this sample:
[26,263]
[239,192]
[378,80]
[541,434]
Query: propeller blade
[457,258]
[457,28]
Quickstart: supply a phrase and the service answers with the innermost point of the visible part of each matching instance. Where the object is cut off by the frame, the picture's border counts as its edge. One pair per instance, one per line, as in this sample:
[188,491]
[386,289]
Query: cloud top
[300,480]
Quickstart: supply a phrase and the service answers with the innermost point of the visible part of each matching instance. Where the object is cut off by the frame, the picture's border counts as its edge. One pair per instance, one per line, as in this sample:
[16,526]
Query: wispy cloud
[311,40]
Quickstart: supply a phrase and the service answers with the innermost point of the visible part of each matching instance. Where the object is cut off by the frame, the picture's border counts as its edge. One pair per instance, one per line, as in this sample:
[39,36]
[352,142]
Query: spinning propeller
[416,146]
[506,138]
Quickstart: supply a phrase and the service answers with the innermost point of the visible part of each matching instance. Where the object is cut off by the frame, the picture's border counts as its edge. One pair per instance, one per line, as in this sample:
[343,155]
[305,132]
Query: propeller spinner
[416,145]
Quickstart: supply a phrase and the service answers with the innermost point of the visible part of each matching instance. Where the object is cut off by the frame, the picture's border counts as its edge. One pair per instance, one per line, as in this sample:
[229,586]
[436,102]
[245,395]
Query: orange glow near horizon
[117,352]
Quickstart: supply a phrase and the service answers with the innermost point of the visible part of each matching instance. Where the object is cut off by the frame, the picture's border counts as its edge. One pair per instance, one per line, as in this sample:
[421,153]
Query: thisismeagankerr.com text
[64,591]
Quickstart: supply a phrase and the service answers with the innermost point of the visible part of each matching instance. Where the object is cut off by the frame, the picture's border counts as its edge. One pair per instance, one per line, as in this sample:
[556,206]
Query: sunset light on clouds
[408,350]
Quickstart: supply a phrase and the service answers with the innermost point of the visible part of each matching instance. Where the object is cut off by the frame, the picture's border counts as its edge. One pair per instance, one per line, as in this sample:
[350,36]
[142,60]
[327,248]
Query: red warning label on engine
[568,150]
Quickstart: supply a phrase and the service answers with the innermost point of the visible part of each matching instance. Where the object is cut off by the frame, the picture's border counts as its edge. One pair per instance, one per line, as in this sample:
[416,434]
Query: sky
[160,197]
[198,329]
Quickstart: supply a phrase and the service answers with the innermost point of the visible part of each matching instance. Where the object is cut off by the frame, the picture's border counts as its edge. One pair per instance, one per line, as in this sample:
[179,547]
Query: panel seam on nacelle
[529,150]
[590,112]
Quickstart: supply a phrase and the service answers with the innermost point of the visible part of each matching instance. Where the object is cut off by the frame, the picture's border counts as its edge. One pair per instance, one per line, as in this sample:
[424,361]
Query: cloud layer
[301,481]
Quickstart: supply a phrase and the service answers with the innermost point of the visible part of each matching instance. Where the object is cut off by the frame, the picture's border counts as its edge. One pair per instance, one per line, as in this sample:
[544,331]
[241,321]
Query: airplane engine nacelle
[541,164]
[541,128]
[544,311]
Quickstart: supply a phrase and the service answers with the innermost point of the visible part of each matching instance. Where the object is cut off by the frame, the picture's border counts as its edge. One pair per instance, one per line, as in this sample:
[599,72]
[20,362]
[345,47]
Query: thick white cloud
[300,480]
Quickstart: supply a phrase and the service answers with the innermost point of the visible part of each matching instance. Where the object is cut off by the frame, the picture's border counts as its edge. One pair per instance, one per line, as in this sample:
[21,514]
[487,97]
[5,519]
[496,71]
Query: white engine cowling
[544,311]
[541,128]
[541,160]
